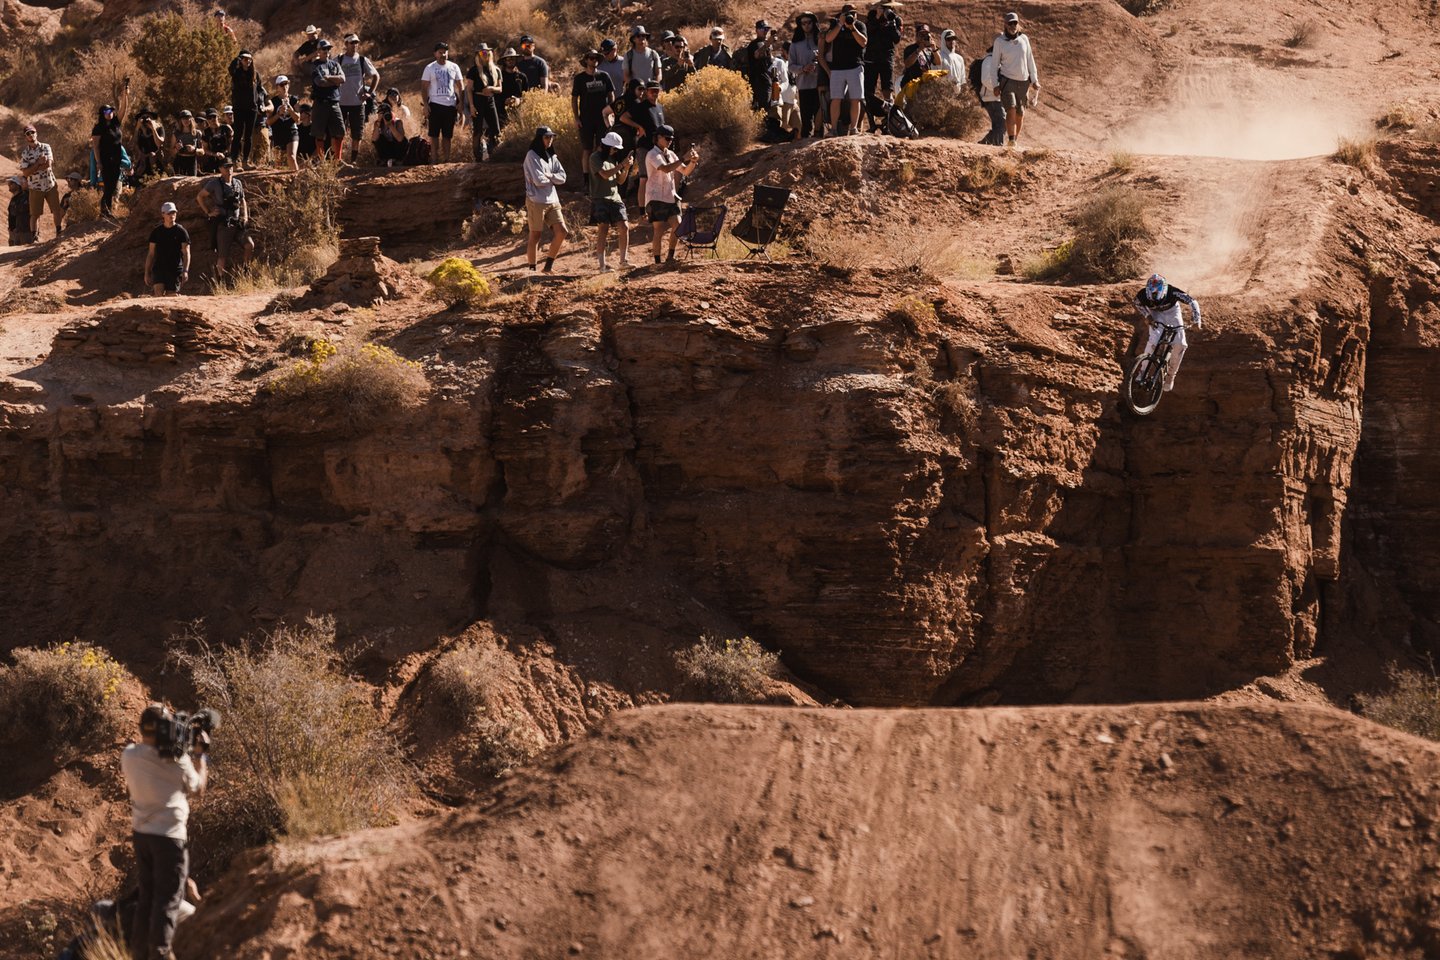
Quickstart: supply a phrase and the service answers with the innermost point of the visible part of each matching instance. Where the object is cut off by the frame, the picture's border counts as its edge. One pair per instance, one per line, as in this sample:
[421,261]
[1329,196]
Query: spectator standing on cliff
[846,41]
[225,28]
[227,213]
[676,65]
[482,92]
[641,63]
[543,173]
[952,59]
[644,117]
[284,123]
[149,145]
[107,142]
[305,53]
[986,82]
[327,123]
[167,263]
[921,56]
[357,93]
[189,145]
[535,67]
[247,98]
[1015,64]
[756,63]
[442,87]
[591,93]
[663,170]
[716,54]
[17,213]
[805,71]
[612,64]
[512,84]
[610,167]
[37,165]
[884,30]
[306,146]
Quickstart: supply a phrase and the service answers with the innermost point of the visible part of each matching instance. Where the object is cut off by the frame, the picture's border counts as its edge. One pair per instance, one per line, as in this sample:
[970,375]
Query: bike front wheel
[1145,385]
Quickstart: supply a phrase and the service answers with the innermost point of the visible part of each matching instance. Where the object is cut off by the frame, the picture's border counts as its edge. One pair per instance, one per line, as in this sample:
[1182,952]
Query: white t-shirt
[660,185]
[45,179]
[442,78]
[157,790]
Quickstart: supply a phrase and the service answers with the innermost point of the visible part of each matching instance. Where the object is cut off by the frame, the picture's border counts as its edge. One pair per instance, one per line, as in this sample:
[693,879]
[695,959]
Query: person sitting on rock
[1158,304]
[543,173]
[392,122]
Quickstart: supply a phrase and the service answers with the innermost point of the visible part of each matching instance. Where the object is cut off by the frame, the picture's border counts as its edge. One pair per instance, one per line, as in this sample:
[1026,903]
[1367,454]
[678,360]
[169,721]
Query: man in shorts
[1015,65]
[663,170]
[222,200]
[610,166]
[167,264]
[442,87]
[327,123]
[357,93]
[543,173]
[590,93]
[37,165]
[846,40]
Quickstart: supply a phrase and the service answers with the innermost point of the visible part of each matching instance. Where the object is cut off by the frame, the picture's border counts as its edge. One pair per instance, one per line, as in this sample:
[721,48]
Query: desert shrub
[1429,132]
[936,108]
[717,103]
[457,281]
[361,384]
[297,221]
[1112,232]
[1052,264]
[99,76]
[493,217]
[85,206]
[1122,162]
[986,172]
[1304,34]
[1412,704]
[915,313]
[184,60]
[80,13]
[502,23]
[62,697]
[466,687]
[32,300]
[1358,153]
[540,109]
[1146,8]
[728,670]
[383,22]
[308,749]
[1398,116]
[894,245]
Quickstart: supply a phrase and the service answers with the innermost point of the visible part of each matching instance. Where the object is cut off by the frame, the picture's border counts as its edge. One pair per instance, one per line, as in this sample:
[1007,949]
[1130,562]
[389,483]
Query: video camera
[179,733]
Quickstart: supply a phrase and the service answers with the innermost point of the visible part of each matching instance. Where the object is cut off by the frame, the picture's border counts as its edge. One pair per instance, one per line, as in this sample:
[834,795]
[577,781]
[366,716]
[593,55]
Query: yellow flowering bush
[728,670]
[457,281]
[67,695]
[359,383]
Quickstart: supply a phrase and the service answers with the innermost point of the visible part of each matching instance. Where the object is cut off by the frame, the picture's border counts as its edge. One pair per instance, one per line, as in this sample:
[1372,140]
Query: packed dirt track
[1164,831]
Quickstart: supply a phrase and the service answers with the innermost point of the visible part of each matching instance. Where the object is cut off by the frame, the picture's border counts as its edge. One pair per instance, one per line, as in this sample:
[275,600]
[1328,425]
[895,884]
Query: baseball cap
[228,109]
[227,162]
[168,207]
[312,29]
[246,55]
[1012,18]
[590,55]
[152,716]
[652,84]
[526,39]
[612,139]
[544,132]
[717,33]
[484,48]
[282,79]
[212,112]
[351,38]
[761,25]
[324,45]
[639,31]
[442,45]
[186,115]
[607,44]
[665,130]
[30,128]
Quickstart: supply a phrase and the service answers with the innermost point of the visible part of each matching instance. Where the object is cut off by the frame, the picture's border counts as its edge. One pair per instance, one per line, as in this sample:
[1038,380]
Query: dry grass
[714,103]
[62,698]
[467,686]
[1398,116]
[1303,35]
[297,223]
[1412,705]
[502,23]
[915,313]
[1112,235]
[1358,153]
[985,173]
[726,670]
[1050,265]
[357,385]
[1122,162]
[32,300]
[382,23]
[1146,8]
[540,109]
[890,245]
[935,109]
[306,748]
[1429,132]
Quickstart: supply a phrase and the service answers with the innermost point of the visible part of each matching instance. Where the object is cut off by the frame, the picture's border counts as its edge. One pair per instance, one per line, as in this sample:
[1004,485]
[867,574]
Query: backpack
[899,125]
[417,152]
[977,69]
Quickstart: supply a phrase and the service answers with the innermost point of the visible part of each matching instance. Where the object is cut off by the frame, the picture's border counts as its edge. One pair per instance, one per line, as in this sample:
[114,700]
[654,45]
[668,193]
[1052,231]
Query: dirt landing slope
[1156,831]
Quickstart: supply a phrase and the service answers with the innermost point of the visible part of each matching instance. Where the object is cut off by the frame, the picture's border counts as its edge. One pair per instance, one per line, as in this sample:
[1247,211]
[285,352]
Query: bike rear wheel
[1145,385]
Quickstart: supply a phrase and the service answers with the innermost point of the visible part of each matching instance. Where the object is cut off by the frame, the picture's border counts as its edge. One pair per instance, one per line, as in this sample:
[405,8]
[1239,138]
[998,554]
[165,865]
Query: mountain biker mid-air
[1159,303]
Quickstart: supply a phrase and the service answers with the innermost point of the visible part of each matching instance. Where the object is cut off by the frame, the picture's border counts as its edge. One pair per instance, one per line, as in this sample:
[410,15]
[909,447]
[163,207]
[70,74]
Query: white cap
[612,139]
[717,33]
[167,207]
[282,79]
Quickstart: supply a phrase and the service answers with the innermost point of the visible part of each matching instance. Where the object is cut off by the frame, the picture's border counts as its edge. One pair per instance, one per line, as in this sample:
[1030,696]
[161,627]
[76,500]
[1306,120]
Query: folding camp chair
[761,223]
[700,229]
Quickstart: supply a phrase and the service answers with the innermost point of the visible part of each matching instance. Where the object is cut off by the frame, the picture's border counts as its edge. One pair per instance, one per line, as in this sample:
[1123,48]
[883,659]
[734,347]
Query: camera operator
[846,40]
[159,812]
[885,31]
[222,199]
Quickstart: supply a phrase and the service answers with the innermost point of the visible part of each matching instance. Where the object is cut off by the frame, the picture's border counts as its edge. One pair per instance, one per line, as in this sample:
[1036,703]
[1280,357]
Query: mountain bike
[1146,382]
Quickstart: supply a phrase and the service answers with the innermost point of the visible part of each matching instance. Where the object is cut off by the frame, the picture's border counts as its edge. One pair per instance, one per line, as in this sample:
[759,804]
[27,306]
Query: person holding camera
[357,93]
[159,813]
[107,142]
[885,31]
[663,171]
[149,145]
[227,213]
[186,146]
[391,123]
[610,167]
[846,40]
[284,123]
[805,70]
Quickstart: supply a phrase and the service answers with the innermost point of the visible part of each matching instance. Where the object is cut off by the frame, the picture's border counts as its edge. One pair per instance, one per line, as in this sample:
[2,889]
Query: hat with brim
[544,132]
[652,84]
[227,162]
[442,45]
[484,48]
[186,115]
[638,31]
[312,29]
[665,130]
[352,38]
[888,3]
[762,25]
[717,34]
[324,45]
[74,175]
[612,139]
[509,54]
[590,55]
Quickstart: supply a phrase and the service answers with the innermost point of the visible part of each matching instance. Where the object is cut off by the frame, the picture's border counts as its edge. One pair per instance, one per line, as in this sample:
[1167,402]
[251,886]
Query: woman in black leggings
[106,141]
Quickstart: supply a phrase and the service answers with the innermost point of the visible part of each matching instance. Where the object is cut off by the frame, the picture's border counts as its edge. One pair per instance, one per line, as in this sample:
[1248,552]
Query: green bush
[62,697]
[184,60]
[728,670]
[305,748]
[714,103]
[1412,705]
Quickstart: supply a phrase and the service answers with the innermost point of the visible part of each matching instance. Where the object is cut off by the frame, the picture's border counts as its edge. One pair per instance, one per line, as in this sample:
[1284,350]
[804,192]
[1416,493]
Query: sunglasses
[29,133]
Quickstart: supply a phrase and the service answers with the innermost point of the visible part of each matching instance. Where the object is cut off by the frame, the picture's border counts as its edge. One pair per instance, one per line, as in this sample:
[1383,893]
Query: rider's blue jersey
[1166,310]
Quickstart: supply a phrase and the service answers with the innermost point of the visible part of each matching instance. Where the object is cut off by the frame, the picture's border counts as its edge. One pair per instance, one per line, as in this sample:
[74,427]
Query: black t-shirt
[306,50]
[169,257]
[845,52]
[111,137]
[649,116]
[534,69]
[479,81]
[922,63]
[219,139]
[595,93]
[19,212]
[283,129]
[513,83]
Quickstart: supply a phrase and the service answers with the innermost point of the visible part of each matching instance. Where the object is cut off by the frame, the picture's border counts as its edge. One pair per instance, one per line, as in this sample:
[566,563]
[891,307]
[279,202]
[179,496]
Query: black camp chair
[700,229]
[761,223]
